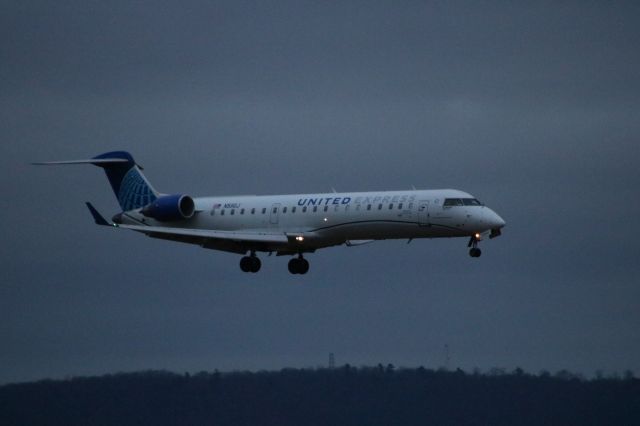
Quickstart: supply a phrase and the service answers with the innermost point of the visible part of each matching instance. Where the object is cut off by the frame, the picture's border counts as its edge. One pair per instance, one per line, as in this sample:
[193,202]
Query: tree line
[346,395]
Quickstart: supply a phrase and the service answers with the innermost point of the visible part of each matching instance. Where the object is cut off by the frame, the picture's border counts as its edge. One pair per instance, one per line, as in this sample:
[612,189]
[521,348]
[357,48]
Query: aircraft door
[423,213]
[275,211]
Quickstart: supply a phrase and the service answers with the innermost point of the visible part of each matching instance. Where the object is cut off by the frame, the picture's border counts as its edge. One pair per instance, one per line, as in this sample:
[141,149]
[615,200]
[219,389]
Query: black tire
[255,264]
[303,266]
[245,264]
[293,266]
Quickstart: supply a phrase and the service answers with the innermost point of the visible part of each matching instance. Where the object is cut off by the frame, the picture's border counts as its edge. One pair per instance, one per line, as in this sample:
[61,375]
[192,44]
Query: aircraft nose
[494,220]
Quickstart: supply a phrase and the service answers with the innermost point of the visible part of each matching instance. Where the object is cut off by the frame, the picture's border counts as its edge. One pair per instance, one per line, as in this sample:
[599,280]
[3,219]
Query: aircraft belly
[378,230]
[371,230]
[237,246]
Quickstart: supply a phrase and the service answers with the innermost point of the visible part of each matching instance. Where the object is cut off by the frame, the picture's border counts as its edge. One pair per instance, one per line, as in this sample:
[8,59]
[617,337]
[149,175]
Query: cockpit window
[471,202]
[450,202]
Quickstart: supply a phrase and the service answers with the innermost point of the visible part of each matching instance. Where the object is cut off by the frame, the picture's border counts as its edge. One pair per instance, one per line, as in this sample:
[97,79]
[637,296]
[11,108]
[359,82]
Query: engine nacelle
[170,208]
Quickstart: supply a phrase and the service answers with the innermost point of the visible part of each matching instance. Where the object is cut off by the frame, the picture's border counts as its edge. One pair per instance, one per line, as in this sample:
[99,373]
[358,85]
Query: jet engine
[170,208]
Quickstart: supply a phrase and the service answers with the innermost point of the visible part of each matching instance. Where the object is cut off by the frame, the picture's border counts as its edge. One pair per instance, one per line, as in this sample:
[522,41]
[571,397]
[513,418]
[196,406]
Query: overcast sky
[534,109]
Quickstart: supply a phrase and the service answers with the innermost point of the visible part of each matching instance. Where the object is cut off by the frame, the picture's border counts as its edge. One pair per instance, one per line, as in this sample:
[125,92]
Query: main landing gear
[298,265]
[474,251]
[250,263]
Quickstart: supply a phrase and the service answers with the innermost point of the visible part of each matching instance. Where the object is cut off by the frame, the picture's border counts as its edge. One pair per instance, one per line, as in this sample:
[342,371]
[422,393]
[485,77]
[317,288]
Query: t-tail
[131,187]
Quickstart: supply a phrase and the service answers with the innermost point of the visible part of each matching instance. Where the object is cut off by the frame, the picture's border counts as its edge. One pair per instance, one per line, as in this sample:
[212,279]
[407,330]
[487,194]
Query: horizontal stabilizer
[130,186]
[95,161]
[97,217]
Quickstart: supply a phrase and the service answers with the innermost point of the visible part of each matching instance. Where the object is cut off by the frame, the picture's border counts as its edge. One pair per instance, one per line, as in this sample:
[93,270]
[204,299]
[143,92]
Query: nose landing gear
[250,263]
[298,265]
[474,251]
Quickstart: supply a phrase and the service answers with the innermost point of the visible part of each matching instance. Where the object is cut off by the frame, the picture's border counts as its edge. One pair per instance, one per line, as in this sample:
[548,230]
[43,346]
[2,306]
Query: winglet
[97,217]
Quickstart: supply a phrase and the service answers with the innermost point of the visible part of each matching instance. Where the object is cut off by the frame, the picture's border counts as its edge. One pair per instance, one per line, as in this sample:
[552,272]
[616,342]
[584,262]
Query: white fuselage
[287,224]
[312,221]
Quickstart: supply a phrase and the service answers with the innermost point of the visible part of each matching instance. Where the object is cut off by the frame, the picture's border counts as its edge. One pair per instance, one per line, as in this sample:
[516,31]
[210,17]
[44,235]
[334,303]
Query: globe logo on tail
[135,191]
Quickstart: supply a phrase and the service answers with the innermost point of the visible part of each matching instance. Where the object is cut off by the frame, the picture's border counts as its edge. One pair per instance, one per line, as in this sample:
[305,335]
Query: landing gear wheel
[298,265]
[475,252]
[293,266]
[245,264]
[304,266]
[255,264]
[250,264]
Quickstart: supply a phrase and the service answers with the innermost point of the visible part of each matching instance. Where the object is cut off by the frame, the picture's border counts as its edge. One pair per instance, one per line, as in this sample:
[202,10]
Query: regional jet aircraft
[289,224]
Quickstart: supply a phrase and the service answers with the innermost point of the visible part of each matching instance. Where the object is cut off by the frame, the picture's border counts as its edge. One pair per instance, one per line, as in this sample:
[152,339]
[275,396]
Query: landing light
[325,219]
[300,238]
[477,235]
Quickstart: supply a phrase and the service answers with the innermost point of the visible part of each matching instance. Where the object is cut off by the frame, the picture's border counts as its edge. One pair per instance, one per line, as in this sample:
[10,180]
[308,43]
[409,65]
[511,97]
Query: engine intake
[170,208]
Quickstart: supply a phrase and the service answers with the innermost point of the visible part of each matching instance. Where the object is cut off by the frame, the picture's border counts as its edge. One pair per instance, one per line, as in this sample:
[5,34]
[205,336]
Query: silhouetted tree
[345,396]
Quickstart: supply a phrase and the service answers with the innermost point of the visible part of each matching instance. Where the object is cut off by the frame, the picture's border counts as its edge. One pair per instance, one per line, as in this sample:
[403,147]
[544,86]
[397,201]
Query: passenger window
[241,211]
[379,206]
[275,210]
[304,209]
[293,209]
[326,208]
[391,206]
[222,212]
[253,210]
[233,211]
[284,210]
[400,206]
[264,210]
[368,206]
[315,209]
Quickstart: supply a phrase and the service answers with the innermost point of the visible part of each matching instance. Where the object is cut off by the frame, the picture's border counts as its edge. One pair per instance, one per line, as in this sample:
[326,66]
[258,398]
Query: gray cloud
[534,109]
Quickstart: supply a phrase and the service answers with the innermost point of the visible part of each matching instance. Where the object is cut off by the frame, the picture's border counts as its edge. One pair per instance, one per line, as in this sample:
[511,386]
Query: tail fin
[132,189]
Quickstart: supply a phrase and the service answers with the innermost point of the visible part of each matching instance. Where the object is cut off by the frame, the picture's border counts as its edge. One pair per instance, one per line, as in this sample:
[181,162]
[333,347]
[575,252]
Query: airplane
[291,225]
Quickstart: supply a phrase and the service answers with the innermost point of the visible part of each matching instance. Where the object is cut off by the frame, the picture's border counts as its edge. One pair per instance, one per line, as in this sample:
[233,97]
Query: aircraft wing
[234,241]
[177,233]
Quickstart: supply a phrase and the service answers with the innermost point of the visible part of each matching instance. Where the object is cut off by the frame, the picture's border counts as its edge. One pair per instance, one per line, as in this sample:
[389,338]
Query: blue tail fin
[132,189]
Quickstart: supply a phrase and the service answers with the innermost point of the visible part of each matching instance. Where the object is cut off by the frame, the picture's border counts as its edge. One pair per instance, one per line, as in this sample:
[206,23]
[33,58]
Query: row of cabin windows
[315,209]
[233,211]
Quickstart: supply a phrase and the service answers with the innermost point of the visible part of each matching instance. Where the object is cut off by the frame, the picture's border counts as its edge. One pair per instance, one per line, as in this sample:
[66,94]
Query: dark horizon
[562,374]
[342,395]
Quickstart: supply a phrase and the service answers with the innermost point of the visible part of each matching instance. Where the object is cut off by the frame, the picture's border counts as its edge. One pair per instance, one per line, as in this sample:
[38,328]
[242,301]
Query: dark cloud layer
[534,109]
